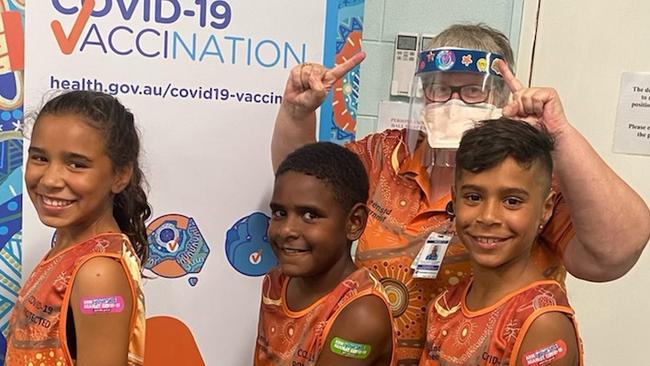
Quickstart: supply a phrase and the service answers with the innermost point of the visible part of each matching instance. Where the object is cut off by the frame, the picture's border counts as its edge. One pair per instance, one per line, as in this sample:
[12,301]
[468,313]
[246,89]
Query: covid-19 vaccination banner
[204,79]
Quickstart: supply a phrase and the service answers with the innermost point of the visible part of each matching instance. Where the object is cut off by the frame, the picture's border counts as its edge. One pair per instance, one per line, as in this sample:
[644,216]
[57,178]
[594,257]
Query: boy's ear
[549,204]
[453,193]
[357,220]
[122,178]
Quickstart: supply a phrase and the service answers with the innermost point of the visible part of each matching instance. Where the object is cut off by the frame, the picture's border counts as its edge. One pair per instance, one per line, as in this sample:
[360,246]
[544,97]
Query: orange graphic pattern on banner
[169,342]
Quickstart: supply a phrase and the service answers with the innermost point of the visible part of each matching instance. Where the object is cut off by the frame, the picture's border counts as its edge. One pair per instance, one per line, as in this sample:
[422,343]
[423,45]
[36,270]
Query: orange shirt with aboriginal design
[401,218]
[37,329]
[289,338]
[457,336]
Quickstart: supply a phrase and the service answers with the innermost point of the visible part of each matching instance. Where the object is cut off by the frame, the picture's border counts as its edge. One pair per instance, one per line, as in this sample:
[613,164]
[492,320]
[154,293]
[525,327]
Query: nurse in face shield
[411,171]
[453,89]
[453,93]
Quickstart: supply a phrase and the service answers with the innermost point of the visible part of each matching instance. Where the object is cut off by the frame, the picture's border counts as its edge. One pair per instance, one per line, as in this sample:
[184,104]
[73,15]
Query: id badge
[428,261]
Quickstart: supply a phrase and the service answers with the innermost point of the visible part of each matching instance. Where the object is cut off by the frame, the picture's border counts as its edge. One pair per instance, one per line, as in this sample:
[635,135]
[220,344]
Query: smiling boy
[507,313]
[317,307]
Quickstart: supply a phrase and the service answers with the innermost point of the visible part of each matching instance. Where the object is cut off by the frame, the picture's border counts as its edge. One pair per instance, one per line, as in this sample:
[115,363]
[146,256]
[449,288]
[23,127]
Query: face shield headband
[459,60]
[453,89]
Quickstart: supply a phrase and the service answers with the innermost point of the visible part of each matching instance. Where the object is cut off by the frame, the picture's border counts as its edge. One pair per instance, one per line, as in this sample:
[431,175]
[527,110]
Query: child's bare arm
[102,335]
[360,336]
[550,341]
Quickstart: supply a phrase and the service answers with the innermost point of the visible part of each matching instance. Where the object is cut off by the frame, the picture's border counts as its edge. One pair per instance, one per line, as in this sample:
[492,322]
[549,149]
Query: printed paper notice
[632,134]
[395,115]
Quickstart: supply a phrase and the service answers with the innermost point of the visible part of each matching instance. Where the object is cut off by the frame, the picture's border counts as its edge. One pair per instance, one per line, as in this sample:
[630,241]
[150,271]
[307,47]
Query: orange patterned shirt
[37,329]
[289,338]
[402,217]
[457,336]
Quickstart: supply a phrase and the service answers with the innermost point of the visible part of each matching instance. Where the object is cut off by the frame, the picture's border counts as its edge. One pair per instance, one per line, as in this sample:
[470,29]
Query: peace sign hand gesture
[533,105]
[308,84]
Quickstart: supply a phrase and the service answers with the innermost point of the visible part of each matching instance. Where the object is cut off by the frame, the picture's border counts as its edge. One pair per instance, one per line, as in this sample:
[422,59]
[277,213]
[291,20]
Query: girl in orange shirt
[83,303]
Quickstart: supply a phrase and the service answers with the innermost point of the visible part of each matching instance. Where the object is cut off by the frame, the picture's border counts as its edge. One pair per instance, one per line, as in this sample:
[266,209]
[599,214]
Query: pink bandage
[102,304]
[545,355]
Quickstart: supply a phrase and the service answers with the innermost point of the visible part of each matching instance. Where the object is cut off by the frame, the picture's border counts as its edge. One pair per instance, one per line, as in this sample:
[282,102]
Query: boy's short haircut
[490,142]
[475,36]
[334,164]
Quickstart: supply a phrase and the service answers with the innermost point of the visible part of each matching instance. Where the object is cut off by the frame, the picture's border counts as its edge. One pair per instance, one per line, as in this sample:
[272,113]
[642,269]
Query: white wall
[582,48]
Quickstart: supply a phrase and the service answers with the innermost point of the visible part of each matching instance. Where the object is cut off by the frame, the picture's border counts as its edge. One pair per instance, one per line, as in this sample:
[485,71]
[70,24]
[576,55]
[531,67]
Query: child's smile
[69,177]
[308,225]
[488,242]
[499,211]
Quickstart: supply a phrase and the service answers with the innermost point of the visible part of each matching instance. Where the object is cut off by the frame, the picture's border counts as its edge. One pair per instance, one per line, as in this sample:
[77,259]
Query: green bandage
[349,349]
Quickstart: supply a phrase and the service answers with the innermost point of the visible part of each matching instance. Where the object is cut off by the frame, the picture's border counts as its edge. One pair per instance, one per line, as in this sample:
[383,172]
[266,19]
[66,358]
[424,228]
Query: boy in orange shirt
[507,313]
[317,307]
[408,199]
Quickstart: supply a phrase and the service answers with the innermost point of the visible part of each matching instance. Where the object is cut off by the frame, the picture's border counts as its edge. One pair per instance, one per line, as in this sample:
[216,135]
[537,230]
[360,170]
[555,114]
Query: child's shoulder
[274,281]
[541,294]
[550,327]
[105,243]
[360,283]
[105,239]
[371,311]
[364,317]
[274,273]
[108,243]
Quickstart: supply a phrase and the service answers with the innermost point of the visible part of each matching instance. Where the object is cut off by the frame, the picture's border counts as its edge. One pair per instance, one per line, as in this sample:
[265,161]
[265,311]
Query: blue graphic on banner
[10,219]
[343,32]
[11,160]
[340,137]
[176,247]
[247,246]
[12,17]
[10,276]
[3,348]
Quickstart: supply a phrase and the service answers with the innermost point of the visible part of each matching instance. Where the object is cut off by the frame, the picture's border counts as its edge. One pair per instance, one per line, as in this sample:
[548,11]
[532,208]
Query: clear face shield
[453,89]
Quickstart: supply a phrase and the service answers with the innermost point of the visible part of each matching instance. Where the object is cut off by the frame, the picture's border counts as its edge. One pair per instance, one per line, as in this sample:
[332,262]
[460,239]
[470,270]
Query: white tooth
[55,203]
[488,240]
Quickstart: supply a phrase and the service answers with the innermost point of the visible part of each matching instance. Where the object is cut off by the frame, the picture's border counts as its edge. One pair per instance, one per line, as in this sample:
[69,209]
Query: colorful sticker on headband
[350,349]
[445,60]
[467,60]
[102,304]
[481,64]
[545,355]
[494,67]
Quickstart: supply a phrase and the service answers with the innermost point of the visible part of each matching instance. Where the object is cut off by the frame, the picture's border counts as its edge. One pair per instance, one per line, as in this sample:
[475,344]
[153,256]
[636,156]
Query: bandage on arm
[550,340]
[102,306]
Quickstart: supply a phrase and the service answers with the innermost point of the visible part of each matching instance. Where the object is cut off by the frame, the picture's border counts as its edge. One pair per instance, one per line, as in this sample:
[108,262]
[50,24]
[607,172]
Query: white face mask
[446,122]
